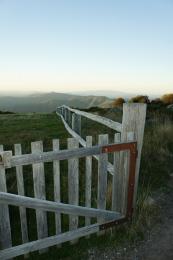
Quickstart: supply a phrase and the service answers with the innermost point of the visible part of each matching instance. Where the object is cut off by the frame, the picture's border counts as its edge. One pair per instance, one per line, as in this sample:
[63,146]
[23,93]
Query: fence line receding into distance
[103,200]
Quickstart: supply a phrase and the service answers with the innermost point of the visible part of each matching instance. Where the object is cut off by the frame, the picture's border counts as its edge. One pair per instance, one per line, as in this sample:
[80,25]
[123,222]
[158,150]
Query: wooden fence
[131,128]
[103,200]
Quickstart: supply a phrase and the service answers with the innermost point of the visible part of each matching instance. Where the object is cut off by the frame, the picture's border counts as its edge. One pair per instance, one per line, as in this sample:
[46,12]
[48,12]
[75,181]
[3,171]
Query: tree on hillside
[167,99]
[140,99]
[118,102]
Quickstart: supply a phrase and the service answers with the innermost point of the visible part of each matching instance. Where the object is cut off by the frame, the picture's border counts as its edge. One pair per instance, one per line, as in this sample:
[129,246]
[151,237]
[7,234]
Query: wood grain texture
[88,179]
[5,228]
[44,205]
[39,190]
[102,176]
[82,141]
[6,159]
[125,177]
[76,123]
[105,121]
[73,183]
[26,159]
[117,178]
[133,121]
[57,186]
[47,242]
[20,189]
[53,155]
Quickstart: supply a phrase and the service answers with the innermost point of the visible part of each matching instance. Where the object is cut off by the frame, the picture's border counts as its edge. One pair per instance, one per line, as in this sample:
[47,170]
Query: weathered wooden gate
[103,213]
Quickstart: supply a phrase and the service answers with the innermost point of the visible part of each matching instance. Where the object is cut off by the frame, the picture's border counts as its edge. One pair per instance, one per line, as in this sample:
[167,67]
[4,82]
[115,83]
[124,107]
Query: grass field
[156,165]
[26,128]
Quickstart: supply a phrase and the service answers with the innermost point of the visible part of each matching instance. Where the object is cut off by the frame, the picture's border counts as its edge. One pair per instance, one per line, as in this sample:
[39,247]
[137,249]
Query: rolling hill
[47,102]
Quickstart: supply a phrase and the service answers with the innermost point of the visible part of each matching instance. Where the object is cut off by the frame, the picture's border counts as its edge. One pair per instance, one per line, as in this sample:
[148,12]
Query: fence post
[65,114]
[69,119]
[76,123]
[133,121]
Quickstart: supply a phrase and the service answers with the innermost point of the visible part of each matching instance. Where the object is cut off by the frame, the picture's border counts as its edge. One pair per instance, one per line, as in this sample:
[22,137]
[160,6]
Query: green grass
[26,128]
[156,165]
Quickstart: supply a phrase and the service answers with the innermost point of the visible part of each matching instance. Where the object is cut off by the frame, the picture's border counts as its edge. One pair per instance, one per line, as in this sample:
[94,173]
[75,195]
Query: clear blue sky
[67,45]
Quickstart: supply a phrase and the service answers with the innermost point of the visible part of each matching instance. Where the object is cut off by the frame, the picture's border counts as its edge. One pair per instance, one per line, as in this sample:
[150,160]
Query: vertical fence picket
[56,172]
[102,176]
[20,188]
[116,202]
[88,178]
[132,126]
[125,180]
[39,191]
[5,228]
[76,123]
[62,111]
[73,183]
[69,118]
[65,114]
[73,121]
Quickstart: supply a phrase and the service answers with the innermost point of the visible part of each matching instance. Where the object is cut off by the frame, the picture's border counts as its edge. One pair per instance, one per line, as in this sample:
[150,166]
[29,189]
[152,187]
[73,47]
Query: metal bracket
[132,148]
[112,223]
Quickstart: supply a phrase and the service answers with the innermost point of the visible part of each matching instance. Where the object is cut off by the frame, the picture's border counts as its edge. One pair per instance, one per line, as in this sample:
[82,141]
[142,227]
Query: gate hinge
[112,223]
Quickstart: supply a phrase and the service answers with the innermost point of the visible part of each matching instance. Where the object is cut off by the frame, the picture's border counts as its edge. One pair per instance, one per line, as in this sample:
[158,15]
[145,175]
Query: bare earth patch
[158,244]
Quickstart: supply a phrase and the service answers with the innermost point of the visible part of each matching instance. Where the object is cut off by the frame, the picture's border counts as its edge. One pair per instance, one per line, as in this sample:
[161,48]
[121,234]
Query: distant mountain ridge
[47,102]
[113,94]
[107,93]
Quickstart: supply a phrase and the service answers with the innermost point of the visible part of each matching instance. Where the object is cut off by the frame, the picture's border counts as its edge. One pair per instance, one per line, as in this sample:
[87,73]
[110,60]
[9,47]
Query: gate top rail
[8,161]
[103,120]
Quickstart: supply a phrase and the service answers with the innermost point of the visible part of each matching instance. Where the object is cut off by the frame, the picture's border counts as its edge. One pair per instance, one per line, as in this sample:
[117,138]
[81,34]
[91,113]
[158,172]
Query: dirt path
[158,246]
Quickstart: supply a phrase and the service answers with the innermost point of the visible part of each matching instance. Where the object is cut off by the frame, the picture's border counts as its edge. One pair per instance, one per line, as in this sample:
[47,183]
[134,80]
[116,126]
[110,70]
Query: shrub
[167,99]
[140,99]
[118,102]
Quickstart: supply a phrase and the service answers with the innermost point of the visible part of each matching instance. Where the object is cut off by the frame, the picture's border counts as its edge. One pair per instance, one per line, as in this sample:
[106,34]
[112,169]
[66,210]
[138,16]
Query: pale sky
[76,45]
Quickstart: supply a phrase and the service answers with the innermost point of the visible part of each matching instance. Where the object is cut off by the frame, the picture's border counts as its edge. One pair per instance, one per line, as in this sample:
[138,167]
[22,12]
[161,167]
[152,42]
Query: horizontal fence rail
[73,116]
[105,217]
[82,198]
[99,119]
[49,241]
[17,200]
[9,161]
[133,121]
[83,143]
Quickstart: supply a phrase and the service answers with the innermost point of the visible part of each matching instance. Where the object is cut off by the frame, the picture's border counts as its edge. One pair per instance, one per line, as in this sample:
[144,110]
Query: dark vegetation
[118,102]
[156,166]
[163,101]
[6,112]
